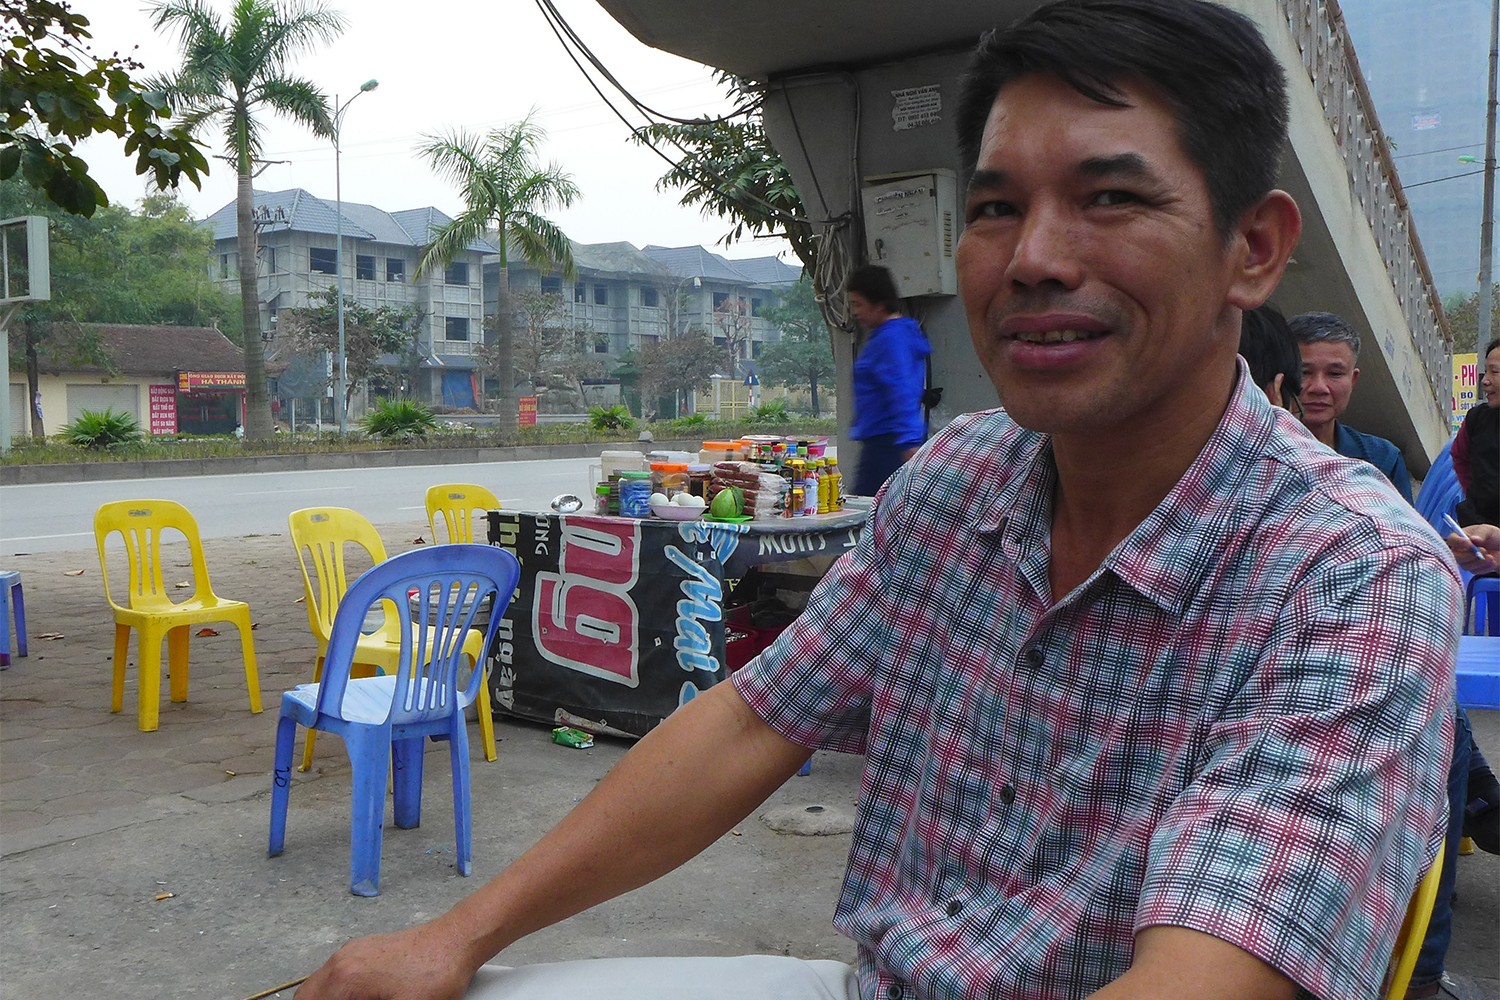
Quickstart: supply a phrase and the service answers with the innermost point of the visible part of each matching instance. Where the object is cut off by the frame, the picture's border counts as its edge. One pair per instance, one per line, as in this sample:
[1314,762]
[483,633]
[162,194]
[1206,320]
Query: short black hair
[1493,344]
[1208,62]
[1314,328]
[1268,347]
[876,285]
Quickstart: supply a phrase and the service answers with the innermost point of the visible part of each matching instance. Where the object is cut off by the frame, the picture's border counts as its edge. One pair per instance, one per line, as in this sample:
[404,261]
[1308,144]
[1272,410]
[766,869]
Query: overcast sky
[443,64]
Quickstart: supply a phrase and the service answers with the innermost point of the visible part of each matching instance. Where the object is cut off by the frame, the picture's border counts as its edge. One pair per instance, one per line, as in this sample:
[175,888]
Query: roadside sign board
[1465,386]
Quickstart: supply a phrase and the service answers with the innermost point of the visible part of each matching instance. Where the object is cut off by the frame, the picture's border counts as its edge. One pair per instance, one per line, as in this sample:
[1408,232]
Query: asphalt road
[52,517]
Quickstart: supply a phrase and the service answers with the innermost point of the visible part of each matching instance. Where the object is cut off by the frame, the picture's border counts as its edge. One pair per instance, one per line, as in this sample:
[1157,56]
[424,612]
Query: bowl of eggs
[680,507]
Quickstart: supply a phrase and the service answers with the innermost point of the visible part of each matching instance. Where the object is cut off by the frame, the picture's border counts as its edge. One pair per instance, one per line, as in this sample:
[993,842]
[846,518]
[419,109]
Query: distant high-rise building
[1425,62]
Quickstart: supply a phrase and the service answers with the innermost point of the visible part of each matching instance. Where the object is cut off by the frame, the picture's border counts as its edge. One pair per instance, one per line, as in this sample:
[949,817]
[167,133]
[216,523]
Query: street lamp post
[341,392]
[1487,224]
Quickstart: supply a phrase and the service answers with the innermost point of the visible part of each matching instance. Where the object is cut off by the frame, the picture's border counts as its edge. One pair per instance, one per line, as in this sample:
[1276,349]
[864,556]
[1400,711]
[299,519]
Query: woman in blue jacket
[890,376]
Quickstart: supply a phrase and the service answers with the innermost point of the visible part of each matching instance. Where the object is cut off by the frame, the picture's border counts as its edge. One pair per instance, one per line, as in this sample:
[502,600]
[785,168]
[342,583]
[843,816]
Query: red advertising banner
[527,415]
[163,400]
[188,381]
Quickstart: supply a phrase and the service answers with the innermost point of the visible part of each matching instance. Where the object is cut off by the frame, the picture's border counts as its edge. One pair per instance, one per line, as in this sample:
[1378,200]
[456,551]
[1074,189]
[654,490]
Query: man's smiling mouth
[1057,336]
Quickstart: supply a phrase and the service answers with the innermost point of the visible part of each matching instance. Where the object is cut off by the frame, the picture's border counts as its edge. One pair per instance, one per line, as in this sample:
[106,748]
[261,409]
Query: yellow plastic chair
[457,502]
[152,613]
[1414,928]
[319,535]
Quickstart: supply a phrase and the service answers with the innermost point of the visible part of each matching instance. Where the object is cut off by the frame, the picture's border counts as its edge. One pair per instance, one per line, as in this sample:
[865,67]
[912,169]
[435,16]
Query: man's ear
[1353,377]
[1260,248]
[1277,399]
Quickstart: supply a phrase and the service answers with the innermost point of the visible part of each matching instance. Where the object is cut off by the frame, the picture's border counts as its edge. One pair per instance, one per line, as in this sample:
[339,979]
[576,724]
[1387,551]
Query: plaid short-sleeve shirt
[1239,724]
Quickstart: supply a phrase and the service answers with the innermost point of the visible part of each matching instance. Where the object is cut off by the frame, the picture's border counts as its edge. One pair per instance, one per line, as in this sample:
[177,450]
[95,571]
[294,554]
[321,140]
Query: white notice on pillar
[916,106]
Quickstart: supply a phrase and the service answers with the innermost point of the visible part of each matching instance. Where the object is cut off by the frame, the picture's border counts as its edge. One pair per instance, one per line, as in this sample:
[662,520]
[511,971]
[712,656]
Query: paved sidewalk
[98,819]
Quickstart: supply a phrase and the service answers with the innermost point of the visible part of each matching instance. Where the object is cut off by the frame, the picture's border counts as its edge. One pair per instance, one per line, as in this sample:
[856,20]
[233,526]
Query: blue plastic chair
[11,595]
[1441,492]
[1482,606]
[386,718]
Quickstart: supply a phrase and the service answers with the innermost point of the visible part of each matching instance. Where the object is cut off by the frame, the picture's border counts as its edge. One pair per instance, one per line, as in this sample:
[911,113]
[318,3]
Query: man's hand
[1485,538]
[426,962]
[678,790]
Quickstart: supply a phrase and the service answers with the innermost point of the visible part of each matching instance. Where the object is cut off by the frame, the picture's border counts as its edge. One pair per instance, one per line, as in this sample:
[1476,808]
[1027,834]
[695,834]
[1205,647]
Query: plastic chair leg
[406,758]
[458,749]
[486,721]
[369,753]
[177,662]
[18,601]
[148,679]
[247,651]
[312,734]
[281,783]
[122,652]
[5,631]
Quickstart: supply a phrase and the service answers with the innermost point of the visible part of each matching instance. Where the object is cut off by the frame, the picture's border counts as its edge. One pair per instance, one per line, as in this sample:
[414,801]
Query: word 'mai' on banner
[526,416]
[190,381]
[1465,386]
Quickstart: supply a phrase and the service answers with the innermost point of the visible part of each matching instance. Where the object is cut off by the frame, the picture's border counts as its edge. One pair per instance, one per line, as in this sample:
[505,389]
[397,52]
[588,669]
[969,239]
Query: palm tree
[504,189]
[231,72]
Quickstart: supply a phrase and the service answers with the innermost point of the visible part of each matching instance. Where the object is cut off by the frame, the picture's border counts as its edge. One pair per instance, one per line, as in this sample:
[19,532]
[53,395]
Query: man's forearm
[677,791]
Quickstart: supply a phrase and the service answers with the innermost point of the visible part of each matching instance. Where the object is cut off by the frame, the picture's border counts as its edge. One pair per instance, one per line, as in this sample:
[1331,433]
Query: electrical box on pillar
[911,228]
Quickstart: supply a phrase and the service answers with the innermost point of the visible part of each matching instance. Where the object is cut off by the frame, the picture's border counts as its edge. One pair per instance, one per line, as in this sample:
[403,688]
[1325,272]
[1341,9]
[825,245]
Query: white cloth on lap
[747,977]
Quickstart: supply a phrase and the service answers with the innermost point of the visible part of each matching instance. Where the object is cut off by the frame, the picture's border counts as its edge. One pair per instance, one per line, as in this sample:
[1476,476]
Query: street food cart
[618,620]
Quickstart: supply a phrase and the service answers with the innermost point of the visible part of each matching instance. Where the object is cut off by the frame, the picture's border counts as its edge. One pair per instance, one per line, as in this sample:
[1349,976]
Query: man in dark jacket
[1330,348]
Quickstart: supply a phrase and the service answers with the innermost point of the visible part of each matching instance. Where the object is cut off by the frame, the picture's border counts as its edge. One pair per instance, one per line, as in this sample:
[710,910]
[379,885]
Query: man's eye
[1111,198]
[994,210]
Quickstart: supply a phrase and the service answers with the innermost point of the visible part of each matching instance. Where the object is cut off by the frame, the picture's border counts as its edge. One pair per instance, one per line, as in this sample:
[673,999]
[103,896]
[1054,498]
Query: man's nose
[1045,251]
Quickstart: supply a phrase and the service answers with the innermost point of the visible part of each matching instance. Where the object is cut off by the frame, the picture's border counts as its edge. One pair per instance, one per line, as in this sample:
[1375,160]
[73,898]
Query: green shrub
[399,418]
[612,418]
[772,411]
[102,430]
[690,422]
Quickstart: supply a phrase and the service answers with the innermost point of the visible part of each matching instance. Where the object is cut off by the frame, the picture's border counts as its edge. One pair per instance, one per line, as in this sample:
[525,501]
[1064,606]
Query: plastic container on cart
[672,457]
[635,494]
[611,462]
[699,476]
[713,452]
[670,478]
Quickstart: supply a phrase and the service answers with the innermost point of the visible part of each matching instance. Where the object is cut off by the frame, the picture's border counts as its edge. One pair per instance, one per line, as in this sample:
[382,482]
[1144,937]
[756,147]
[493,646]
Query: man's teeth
[1058,336]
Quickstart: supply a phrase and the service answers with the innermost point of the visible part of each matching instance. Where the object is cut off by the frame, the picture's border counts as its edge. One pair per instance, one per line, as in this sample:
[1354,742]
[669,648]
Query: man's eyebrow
[983,179]
[1126,166]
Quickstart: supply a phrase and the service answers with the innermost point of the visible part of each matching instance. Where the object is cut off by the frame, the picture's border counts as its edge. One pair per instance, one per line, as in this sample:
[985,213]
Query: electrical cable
[691,161]
[550,11]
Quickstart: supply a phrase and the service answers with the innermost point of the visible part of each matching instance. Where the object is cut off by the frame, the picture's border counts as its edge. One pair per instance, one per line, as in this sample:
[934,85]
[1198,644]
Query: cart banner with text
[616,621]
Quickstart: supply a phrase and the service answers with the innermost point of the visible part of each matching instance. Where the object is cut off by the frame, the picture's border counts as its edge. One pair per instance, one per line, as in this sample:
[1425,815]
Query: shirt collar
[1168,553]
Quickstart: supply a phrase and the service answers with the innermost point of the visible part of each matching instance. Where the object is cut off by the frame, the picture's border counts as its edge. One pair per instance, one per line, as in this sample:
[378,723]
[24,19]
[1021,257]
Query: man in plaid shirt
[1155,690]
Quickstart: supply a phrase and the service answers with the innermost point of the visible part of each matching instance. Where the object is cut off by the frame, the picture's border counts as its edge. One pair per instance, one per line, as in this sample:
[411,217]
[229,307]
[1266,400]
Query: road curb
[90,472]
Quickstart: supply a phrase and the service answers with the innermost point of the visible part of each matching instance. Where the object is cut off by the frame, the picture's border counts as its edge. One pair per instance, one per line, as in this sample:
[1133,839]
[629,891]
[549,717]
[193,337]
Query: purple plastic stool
[11,595]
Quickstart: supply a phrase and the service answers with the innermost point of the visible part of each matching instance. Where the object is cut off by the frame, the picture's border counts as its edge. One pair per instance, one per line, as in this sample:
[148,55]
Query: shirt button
[894,992]
[954,906]
[1007,794]
[1034,658]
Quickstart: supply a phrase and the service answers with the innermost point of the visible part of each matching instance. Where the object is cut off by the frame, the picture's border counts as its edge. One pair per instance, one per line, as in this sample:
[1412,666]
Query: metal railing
[1317,27]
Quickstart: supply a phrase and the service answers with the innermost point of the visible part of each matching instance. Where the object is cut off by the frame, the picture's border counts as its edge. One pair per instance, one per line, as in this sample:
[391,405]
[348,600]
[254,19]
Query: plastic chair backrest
[1482,606]
[456,581]
[319,535]
[1414,928]
[141,523]
[457,503]
[1441,491]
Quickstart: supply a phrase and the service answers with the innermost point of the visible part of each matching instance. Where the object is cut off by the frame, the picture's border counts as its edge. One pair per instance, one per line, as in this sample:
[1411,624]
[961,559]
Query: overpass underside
[861,89]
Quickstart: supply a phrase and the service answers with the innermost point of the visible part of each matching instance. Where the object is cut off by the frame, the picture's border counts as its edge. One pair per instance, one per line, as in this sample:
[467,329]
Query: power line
[1451,177]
